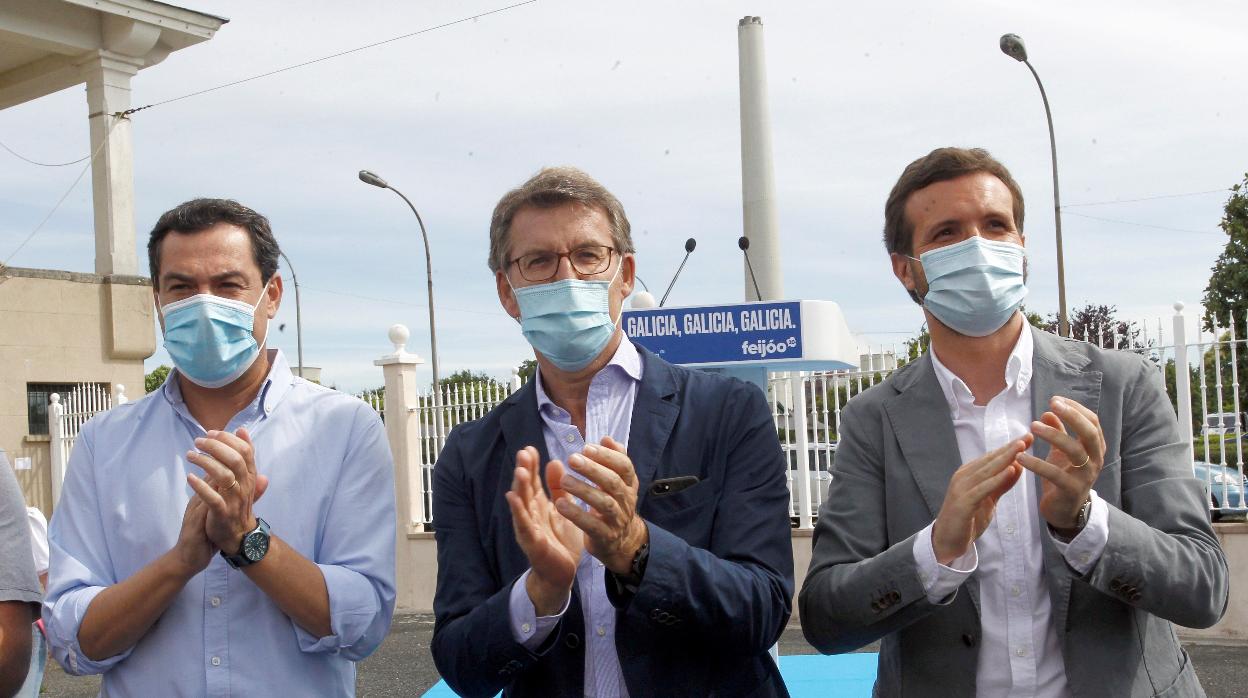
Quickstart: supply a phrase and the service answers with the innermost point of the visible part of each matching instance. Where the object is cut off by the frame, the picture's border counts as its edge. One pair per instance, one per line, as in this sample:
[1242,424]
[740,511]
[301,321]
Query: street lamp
[298,312]
[370,178]
[1012,46]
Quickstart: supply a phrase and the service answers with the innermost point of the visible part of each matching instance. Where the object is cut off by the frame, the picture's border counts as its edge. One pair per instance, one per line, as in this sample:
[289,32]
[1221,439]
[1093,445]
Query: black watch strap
[629,583]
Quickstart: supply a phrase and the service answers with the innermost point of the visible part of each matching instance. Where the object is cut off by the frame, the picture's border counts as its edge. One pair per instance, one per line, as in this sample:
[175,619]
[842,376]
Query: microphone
[744,243]
[689,245]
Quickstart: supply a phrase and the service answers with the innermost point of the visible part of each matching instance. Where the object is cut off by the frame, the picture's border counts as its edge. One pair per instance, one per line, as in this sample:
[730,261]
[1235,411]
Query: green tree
[1226,296]
[527,370]
[1099,325]
[153,380]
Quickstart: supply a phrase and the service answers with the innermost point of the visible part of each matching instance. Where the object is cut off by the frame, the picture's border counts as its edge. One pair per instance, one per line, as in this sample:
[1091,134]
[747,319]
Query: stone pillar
[108,75]
[403,430]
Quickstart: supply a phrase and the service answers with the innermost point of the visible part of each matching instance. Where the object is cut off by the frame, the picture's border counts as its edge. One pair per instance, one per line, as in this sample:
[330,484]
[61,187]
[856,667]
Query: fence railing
[806,406]
[66,415]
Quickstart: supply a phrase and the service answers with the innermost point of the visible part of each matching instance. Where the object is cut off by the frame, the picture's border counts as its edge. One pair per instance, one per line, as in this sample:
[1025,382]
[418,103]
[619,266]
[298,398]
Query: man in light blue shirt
[233,532]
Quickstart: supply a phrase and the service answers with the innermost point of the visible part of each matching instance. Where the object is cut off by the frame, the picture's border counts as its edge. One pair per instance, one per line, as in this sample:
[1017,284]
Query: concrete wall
[64,327]
[416,583]
[1234,625]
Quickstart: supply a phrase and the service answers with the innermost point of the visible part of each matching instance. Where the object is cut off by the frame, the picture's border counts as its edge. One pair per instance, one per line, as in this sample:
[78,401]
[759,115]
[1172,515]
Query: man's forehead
[216,250]
[978,187]
[566,224]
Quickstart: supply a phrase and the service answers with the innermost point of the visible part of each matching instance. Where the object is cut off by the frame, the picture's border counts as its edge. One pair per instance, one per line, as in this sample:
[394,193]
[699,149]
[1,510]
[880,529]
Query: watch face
[255,545]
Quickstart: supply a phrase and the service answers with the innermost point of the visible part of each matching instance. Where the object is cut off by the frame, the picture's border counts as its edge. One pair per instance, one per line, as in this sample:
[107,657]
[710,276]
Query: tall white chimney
[758,185]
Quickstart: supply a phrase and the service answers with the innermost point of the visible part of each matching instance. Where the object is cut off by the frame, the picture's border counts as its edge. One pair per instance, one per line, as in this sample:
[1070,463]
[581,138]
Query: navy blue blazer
[719,582]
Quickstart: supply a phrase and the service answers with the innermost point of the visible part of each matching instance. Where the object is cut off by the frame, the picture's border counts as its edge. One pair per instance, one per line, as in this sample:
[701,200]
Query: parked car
[1224,486]
[1229,424]
[820,457]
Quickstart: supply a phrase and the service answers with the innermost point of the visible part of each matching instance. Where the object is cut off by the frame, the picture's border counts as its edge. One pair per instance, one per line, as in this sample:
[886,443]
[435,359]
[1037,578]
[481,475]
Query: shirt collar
[1017,374]
[277,384]
[626,360]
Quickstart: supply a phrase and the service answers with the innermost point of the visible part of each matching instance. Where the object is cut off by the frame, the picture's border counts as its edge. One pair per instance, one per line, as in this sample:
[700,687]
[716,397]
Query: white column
[403,431]
[758,186]
[107,76]
[1182,383]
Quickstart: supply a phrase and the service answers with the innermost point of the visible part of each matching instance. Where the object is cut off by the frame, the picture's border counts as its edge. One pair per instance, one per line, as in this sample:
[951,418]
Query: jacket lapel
[654,415]
[522,426]
[923,426]
[1056,371]
[1059,372]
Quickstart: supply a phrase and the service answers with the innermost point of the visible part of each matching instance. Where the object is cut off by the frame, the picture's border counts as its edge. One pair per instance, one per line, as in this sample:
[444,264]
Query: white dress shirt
[1020,653]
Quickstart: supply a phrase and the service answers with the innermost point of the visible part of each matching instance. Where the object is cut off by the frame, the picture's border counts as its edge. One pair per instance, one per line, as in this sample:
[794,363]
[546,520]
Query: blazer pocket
[677,506]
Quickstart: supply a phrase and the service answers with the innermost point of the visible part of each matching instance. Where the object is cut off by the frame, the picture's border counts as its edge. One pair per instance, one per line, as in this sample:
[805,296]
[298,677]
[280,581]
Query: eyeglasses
[543,266]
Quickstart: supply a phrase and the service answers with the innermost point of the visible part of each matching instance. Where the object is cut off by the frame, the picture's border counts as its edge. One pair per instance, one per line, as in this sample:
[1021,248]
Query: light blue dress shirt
[330,497]
[608,412]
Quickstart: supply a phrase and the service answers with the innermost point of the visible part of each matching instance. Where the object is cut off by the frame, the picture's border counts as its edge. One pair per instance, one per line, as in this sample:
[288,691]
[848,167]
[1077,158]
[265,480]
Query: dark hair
[940,165]
[550,187]
[198,215]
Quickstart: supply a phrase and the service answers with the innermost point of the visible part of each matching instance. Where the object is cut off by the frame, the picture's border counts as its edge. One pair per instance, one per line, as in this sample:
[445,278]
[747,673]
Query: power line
[19,156]
[91,158]
[1146,225]
[329,57]
[1147,198]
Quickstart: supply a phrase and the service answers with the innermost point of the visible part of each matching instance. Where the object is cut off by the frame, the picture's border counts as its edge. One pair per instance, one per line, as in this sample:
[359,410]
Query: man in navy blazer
[650,555]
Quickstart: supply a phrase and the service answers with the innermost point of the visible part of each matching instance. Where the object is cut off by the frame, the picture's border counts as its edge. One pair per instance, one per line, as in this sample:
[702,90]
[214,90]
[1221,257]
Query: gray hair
[550,187]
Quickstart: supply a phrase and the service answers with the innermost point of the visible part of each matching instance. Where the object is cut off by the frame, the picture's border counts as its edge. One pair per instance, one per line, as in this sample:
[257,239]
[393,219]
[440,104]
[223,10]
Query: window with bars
[38,395]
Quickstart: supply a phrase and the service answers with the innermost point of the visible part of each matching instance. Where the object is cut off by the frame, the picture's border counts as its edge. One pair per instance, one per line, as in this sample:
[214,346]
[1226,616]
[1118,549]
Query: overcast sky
[1149,99]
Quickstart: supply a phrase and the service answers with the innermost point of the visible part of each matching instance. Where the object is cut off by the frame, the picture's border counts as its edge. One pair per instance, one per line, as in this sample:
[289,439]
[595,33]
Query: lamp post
[370,178]
[1012,46]
[298,312]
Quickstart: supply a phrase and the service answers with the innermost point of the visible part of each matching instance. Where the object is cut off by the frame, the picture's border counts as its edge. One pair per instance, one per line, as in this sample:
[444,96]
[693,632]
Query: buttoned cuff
[527,628]
[63,621]
[1084,550]
[940,582]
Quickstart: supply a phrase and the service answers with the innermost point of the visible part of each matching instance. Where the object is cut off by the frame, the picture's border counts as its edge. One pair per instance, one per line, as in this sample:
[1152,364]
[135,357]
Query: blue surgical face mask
[974,286]
[210,338]
[568,321]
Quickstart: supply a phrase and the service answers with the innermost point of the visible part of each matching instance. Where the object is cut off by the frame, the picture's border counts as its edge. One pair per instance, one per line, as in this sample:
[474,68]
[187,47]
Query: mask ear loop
[263,294]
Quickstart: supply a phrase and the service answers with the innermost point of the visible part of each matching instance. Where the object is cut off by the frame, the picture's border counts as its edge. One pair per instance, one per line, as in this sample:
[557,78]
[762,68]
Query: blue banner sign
[719,333]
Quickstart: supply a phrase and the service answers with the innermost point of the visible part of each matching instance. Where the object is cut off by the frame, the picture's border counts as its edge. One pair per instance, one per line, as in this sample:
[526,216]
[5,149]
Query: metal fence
[66,415]
[457,403]
[1208,397]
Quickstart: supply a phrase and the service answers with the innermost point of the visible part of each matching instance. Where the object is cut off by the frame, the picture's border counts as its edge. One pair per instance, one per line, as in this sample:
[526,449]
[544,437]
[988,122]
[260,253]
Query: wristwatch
[1084,512]
[253,548]
[629,583]
[1081,520]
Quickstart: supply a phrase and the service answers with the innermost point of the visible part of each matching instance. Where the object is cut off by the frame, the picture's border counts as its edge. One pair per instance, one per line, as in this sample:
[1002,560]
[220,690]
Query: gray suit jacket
[1162,563]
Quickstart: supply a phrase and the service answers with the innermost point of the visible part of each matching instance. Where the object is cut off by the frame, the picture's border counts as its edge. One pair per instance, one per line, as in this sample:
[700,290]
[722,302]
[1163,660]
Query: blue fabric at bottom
[806,675]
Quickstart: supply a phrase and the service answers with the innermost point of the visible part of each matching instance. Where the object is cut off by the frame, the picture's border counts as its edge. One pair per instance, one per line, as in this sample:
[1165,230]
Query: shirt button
[215,601]
[216,661]
[1010,529]
[525,628]
[601,631]
[1021,652]
[569,438]
[1084,558]
[1015,591]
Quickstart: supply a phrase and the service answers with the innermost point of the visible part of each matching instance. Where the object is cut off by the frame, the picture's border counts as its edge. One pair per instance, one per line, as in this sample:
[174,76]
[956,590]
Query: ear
[506,297]
[903,271]
[628,274]
[273,296]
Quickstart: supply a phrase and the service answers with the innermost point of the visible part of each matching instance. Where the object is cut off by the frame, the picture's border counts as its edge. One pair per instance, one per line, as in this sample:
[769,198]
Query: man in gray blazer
[1012,514]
